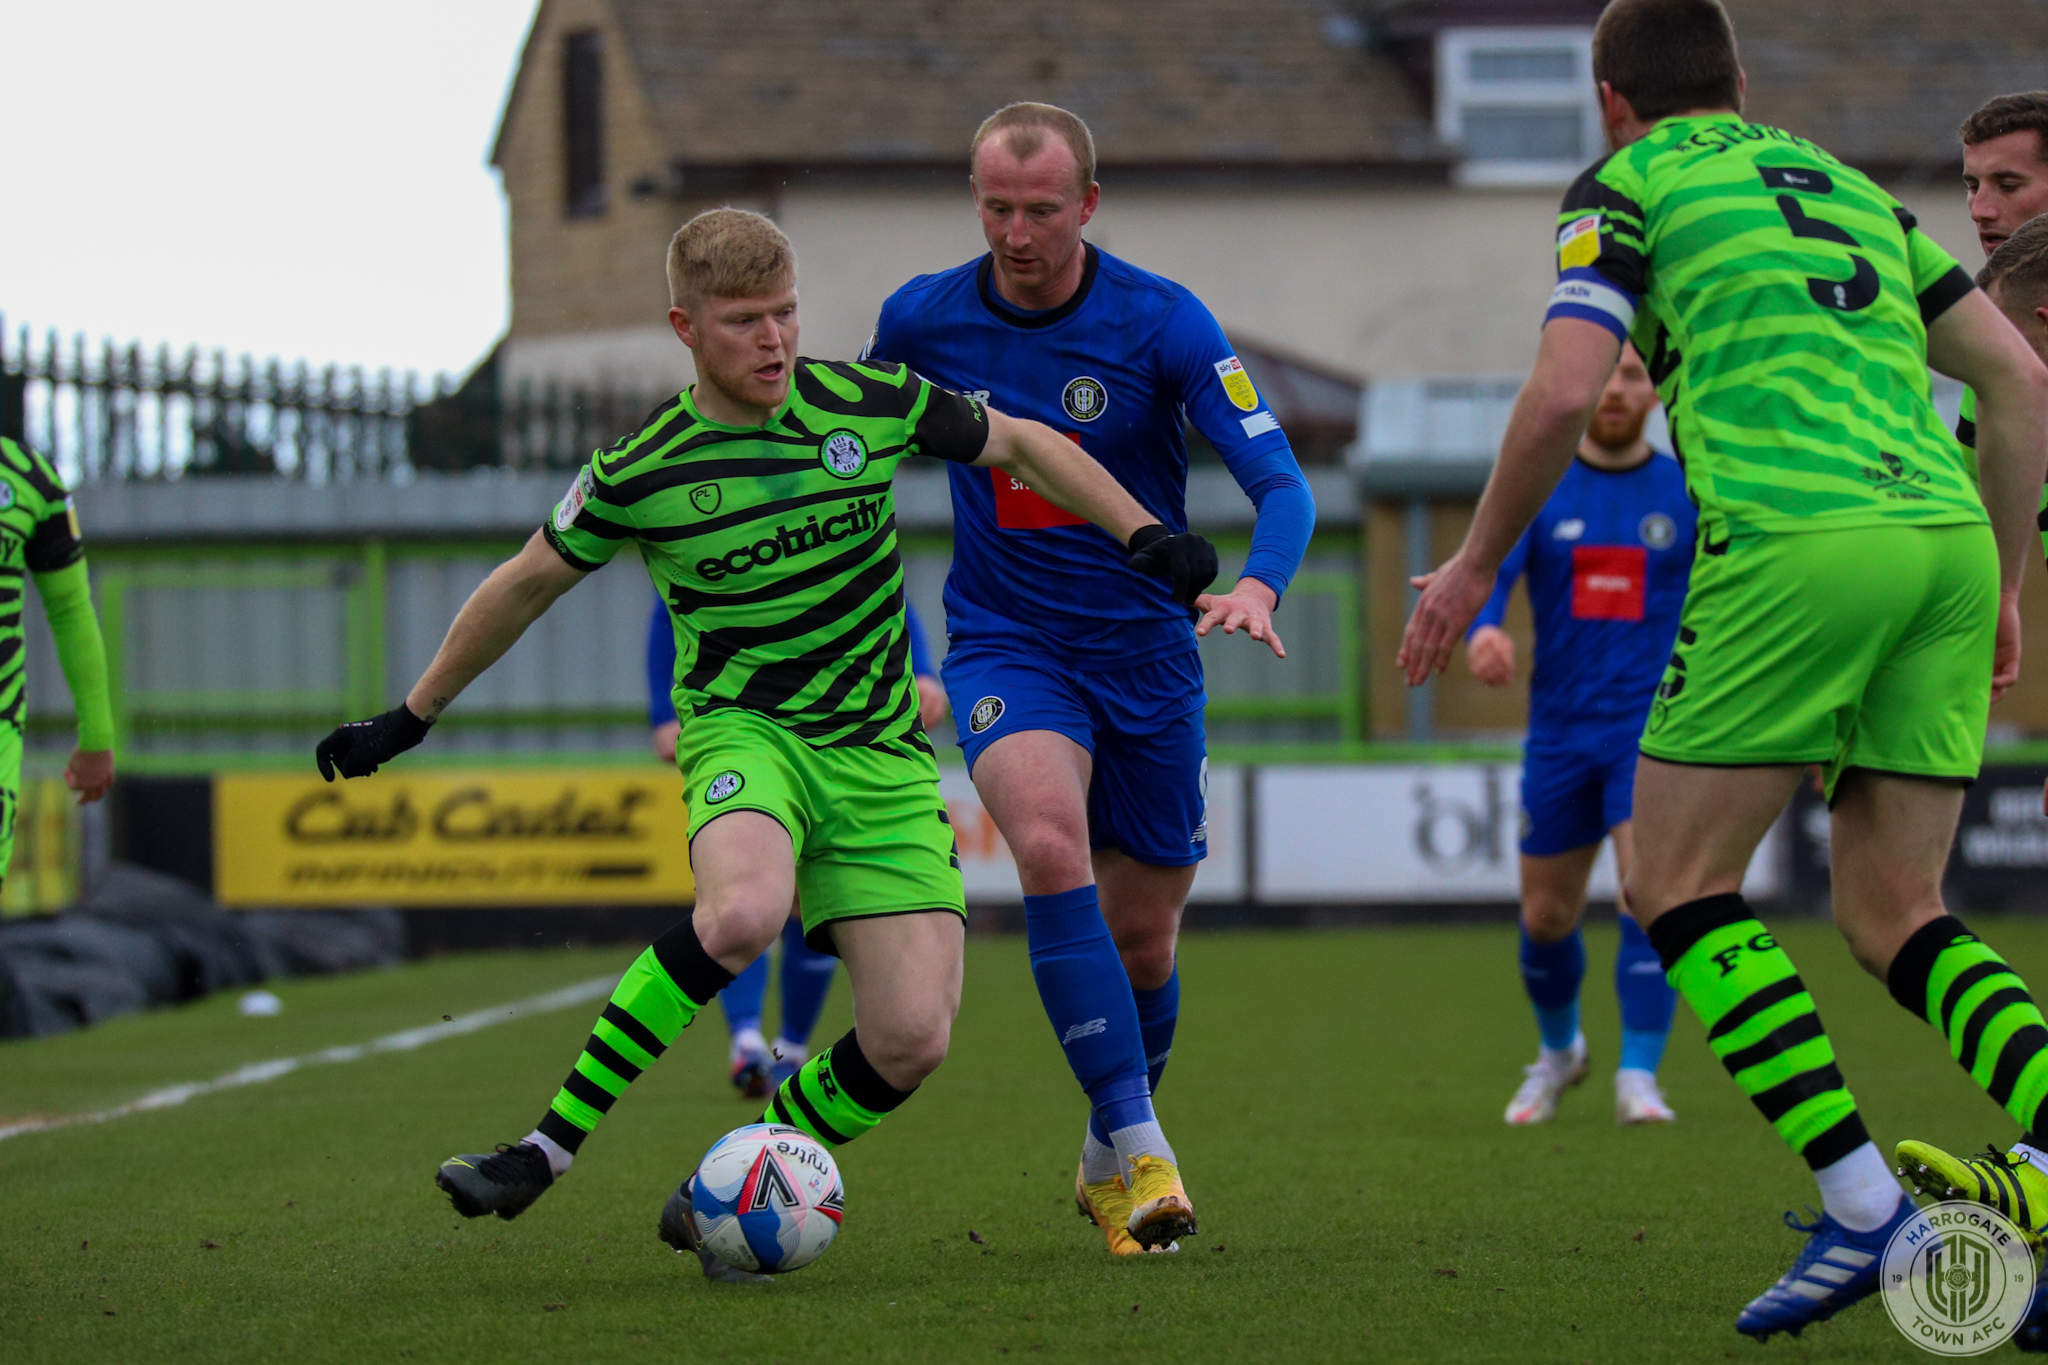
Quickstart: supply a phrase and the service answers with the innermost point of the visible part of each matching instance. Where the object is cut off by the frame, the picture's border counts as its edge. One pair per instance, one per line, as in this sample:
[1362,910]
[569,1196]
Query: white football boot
[1638,1100]
[1544,1080]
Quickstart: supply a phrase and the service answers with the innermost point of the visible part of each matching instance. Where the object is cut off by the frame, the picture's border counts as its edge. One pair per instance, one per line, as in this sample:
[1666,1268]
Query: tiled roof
[1883,83]
[906,81]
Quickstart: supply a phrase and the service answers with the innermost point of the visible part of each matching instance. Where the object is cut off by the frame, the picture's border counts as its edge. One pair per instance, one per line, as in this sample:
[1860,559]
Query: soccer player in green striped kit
[39,536]
[1849,606]
[761,502]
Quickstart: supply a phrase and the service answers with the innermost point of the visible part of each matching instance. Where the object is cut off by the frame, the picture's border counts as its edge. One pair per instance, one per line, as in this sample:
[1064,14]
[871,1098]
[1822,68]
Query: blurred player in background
[2005,175]
[41,539]
[758,1066]
[761,502]
[1076,684]
[1850,605]
[1607,560]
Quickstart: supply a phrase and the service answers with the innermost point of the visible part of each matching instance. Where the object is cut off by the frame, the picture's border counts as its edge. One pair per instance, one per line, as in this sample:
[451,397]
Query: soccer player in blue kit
[758,1066]
[1075,682]
[1607,559]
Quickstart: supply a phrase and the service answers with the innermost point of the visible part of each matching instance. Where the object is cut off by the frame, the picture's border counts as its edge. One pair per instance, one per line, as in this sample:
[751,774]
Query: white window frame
[1455,90]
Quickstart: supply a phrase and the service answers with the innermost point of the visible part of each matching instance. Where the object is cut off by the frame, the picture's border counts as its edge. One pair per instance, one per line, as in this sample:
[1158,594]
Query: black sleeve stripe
[603,527]
[1966,434]
[52,546]
[569,556]
[1590,192]
[1943,294]
[953,427]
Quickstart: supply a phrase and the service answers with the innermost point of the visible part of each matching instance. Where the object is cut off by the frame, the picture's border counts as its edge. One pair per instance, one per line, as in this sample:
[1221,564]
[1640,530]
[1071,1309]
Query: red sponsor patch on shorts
[1018,508]
[1607,582]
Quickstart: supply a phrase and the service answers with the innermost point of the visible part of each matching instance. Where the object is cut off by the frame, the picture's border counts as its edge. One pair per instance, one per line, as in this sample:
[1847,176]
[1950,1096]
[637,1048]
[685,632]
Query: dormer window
[1518,103]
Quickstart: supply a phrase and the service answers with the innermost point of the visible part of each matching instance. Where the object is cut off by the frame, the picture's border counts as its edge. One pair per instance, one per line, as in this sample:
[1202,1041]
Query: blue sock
[1647,1000]
[1551,973]
[1158,1012]
[806,977]
[1087,997]
[741,1000]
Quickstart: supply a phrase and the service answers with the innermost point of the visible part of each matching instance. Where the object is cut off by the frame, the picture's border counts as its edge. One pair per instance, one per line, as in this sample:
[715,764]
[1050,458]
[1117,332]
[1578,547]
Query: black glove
[355,749]
[1185,560]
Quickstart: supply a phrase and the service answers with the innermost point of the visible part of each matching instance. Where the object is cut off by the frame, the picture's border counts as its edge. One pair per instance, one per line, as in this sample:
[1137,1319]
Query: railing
[103,411]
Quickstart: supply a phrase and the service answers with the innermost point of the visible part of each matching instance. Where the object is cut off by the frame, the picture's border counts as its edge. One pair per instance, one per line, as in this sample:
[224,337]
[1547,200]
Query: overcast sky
[259,175]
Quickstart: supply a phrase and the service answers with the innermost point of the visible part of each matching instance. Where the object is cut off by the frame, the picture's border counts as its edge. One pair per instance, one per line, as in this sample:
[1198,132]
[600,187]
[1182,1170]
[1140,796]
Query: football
[766,1198]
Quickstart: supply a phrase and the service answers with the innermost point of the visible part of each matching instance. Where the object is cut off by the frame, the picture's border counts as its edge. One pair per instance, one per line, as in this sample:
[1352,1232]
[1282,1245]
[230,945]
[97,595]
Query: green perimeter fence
[1318,704]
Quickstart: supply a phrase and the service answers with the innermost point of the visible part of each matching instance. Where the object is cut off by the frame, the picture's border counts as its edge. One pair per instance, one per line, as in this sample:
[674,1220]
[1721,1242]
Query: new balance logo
[1087,1030]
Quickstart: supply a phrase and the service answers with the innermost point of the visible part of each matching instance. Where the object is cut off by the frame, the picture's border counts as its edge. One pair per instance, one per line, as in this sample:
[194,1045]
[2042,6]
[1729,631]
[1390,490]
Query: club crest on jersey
[843,454]
[1084,398]
[572,501]
[986,712]
[724,787]
[1658,531]
[705,497]
[1237,383]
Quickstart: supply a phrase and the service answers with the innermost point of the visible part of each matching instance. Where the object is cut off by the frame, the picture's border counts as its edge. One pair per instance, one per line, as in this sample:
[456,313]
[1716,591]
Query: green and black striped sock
[651,1006]
[1761,1023]
[836,1097]
[1955,981]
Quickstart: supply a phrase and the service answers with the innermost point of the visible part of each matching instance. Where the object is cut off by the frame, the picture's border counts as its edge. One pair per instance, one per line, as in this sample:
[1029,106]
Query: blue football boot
[1836,1268]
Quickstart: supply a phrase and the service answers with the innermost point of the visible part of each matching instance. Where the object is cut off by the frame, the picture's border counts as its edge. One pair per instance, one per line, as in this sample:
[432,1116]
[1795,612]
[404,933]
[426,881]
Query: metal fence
[103,411]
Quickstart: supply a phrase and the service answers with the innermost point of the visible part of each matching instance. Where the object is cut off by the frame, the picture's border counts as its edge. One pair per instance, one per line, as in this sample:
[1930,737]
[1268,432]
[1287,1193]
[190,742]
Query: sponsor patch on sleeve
[1259,423]
[1578,242]
[1237,383]
[71,518]
[572,501]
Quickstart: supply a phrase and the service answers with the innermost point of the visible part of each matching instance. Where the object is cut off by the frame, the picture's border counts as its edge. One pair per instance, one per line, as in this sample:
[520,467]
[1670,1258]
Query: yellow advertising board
[43,876]
[576,836]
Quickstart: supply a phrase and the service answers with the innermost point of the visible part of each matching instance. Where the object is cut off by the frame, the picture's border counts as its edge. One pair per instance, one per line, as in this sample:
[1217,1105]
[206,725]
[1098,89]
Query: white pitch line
[256,1073]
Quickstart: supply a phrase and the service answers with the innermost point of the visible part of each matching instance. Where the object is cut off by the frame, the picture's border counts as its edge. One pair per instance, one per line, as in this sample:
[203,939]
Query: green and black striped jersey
[775,546]
[1781,300]
[38,534]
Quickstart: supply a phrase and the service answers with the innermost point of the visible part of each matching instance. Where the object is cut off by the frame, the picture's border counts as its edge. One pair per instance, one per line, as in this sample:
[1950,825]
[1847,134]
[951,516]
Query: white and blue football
[767,1198]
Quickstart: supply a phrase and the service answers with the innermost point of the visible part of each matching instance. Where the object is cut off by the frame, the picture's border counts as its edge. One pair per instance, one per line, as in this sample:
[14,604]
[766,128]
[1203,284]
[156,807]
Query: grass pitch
[1335,1099]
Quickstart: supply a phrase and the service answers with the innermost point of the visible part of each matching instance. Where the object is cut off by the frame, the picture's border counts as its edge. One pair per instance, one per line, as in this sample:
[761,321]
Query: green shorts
[869,828]
[1865,648]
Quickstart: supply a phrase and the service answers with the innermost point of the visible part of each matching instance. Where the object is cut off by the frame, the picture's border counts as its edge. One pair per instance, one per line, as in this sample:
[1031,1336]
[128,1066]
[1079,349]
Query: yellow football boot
[1108,1206]
[1160,1211]
[2006,1181]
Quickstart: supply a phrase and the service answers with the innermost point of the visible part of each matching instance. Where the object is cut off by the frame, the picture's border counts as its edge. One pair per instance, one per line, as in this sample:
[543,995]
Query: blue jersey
[1121,367]
[1607,558]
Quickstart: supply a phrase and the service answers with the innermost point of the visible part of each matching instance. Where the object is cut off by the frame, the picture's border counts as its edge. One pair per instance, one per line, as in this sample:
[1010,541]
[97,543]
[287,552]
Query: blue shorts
[1575,788]
[1141,724]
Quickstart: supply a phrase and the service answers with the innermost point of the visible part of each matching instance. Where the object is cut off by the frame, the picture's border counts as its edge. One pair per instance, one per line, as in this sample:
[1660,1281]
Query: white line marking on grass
[256,1073]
